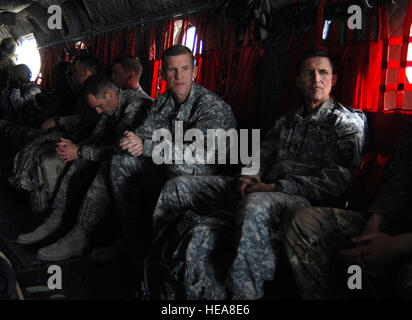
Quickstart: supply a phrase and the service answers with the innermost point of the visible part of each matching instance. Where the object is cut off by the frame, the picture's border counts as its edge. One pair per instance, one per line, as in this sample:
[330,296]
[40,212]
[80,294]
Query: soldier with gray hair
[307,158]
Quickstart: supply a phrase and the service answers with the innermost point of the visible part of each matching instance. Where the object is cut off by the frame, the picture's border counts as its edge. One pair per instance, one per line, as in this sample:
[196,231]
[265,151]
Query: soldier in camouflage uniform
[22,90]
[56,101]
[313,236]
[307,158]
[130,174]
[126,73]
[76,126]
[82,120]
[120,110]
[7,59]
[18,102]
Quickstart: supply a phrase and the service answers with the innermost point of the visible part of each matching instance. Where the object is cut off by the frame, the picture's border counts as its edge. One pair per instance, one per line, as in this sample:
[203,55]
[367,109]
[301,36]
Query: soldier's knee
[254,205]
[306,222]
[125,165]
[187,184]
[176,181]
[118,160]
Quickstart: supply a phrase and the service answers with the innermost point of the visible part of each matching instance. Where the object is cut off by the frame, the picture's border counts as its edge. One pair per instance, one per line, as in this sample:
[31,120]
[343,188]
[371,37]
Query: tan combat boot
[48,228]
[72,244]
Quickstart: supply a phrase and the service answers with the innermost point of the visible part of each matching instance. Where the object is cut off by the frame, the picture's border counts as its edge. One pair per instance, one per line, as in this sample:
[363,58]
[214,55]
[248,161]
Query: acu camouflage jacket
[314,156]
[105,138]
[202,110]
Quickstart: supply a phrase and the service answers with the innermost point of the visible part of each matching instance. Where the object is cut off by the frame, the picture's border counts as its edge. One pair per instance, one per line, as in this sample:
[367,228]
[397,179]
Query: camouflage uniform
[101,146]
[202,110]
[140,93]
[309,159]
[44,106]
[20,96]
[7,61]
[16,134]
[15,105]
[312,237]
[77,127]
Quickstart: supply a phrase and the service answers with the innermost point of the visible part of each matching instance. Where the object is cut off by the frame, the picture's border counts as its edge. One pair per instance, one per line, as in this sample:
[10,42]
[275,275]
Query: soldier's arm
[73,122]
[93,150]
[268,149]
[380,248]
[135,116]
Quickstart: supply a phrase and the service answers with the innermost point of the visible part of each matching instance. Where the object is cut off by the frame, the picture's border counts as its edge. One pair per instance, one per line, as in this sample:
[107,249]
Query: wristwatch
[79,152]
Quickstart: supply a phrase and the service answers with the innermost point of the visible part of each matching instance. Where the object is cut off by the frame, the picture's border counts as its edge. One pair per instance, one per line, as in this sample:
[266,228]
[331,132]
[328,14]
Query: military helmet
[8,45]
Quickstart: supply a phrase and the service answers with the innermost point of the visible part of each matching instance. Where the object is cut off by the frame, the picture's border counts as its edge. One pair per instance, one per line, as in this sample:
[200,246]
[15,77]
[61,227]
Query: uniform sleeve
[94,148]
[97,153]
[82,119]
[326,182]
[394,196]
[268,152]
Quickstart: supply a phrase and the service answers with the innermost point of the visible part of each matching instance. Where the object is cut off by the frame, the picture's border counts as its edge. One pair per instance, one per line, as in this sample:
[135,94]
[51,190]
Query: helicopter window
[28,54]
[326,29]
[190,40]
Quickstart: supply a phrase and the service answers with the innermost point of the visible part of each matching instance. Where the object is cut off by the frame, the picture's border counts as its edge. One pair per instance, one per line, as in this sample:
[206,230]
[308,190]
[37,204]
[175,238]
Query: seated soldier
[52,102]
[22,90]
[382,236]
[134,173]
[120,111]
[7,59]
[307,158]
[57,101]
[126,73]
[77,125]
[81,118]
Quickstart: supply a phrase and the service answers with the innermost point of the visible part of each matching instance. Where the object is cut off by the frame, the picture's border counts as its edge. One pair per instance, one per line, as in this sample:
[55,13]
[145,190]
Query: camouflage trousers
[257,228]
[97,199]
[312,238]
[129,178]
